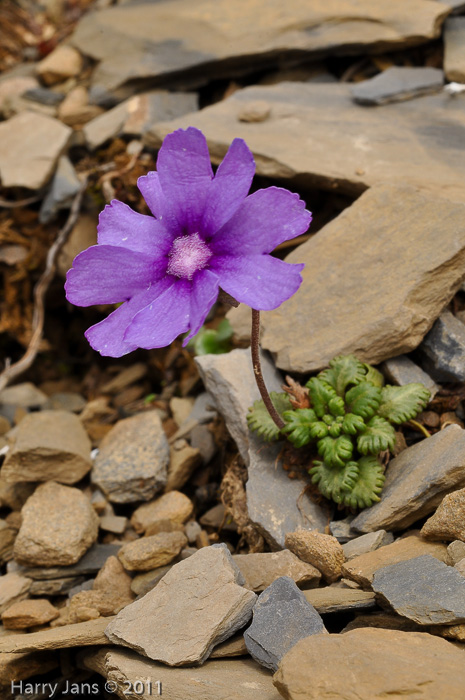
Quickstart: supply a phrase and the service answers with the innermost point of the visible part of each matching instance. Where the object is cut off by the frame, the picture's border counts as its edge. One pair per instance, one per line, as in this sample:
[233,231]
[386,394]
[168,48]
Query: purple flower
[205,233]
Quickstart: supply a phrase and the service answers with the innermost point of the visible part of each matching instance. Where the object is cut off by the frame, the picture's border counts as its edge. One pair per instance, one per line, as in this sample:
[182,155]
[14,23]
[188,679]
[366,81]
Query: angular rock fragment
[111,592]
[261,569]
[199,603]
[423,589]
[367,543]
[151,552]
[331,599]
[62,63]
[448,522]
[13,588]
[363,568]
[281,617]
[90,564]
[133,458]
[50,445]
[454,49]
[322,551]
[402,370]
[65,185]
[59,525]
[25,395]
[444,349]
[174,506]
[184,459]
[456,551]
[397,83]
[80,635]
[29,613]
[372,663]
[30,145]
[416,482]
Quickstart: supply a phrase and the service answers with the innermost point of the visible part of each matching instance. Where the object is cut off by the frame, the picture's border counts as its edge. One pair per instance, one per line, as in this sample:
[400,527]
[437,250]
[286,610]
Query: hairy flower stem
[257,368]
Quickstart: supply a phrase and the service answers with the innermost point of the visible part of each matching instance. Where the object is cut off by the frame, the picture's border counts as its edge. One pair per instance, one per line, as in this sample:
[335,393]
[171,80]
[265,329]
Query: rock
[260,570]
[62,63]
[110,593]
[454,51]
[212,681]
[79,635]
[201,439]
[43,96]
[50,445]
[332,599]
[199,603]
[367,543]
[137,114]
[204,410]
[218,519]
[401,370]
[128,376]
[276,504]
[59,525]
[163,526]
[7,540]
[181,409]
[372,663]
[31,144]
[133,458]
[424,590]
[369,153]
[83,235]
[281,617]
[143,583]
[456,551]
[192,529]
[184,460]
[24,395]
[341,529]
[57,586]
[363,568]
[150,552]
[28,613]
[397,83]
[130,46]
[15,668]
[113,523]
[322,551]
[255,112]
[416,482]
[386,621]
[75,108]
[174,506]
[444,348]
[89,564]
[13,588]
[231,647]
[14,87]
[448,522]
[66,401]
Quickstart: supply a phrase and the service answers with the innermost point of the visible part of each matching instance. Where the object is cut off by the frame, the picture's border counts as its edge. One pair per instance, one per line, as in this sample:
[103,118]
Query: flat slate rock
[281,617]
[260,569]
[402,370]
[417,481]
[199,603]
[276,504]
[397,83]
[131,44]
[331,599]
[443,349]
[372,663]
[90,563]
[351,150]
[82,634]
[423,589]
[215,680]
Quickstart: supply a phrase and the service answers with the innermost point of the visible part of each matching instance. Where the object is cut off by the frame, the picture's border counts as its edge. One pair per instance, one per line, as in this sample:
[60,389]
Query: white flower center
[187,255]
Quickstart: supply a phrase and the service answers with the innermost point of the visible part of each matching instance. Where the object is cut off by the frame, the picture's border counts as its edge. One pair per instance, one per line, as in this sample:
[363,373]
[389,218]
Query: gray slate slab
[90,563]
[402,370]
[423,589]
[397,83]
[416,482]
[444,349]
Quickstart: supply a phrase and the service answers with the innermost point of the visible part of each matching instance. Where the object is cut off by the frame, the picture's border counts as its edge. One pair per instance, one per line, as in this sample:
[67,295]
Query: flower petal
[107,337]
[162,320]
[105,274]
[264,220]
[204,294]
[229,187]
[159,205]
[259,281]
[185,174]
[119,225]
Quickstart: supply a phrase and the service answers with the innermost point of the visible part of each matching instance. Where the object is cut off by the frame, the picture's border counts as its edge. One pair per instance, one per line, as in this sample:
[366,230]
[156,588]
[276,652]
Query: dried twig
[13,370]
[6,204]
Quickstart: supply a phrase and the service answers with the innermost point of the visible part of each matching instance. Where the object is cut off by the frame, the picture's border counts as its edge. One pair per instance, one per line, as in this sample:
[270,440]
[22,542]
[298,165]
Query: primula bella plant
[350,420]
[205,232]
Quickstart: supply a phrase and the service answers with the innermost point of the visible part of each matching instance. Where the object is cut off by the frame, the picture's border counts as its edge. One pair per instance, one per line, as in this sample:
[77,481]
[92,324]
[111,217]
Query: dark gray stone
[44,96]
[444,349]
[367,543]
[56,586]
[397,83]
[281,617]
[65,186]
[417,481]
[402,370]
[90,563]
[203,410]
[342,529]
[424,590]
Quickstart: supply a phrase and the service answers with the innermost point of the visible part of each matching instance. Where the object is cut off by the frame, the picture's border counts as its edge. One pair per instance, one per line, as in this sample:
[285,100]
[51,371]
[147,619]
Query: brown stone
[362,569]
[448,522]
[13,588]
[173,506]
[261,569]
[231,647]
[7,540]
[19,667]
[322,551]
[110,593]
[150,552]
[83,235]
[79,635]
[454,49]
[29,613]
[336,599]
[184,460]
[62,63]
[50,445]
[75,108]
[59,525]
[372,663]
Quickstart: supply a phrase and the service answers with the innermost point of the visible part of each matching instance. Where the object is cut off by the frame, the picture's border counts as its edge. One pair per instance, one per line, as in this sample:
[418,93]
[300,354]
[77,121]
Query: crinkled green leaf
[336,406]
[319,430]
[335,451]
[334,482]
[353,424]
[321,394]
[261,422]
[378,436]
[335,429]
[363,399]
[373,376]
[368,486]
[298,425]
[343,370]
[402,403]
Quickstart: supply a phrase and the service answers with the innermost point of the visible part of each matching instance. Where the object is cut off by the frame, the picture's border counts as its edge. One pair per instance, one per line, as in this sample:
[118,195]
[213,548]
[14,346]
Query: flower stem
[257,368]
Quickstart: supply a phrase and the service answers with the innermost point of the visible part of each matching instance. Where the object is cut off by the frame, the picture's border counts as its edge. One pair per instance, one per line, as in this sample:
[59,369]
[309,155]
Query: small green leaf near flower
[402,403]
[260,420]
